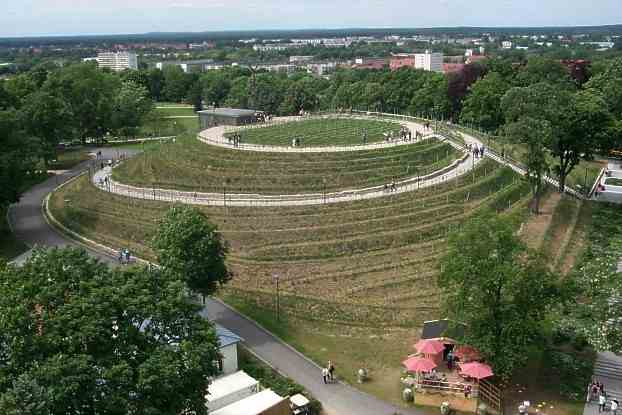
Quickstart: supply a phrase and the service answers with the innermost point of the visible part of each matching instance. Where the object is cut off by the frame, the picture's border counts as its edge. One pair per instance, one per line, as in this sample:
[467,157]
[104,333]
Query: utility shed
[226,116]
[263,403]
[228,389]
[228,342]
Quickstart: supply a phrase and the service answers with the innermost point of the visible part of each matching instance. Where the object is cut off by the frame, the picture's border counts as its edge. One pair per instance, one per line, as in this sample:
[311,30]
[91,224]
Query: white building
[231,388]
[228,342]
[256,404]
[429,61]
[117,61]
[506,44]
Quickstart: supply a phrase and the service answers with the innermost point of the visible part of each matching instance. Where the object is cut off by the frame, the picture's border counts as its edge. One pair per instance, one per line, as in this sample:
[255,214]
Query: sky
[69,17]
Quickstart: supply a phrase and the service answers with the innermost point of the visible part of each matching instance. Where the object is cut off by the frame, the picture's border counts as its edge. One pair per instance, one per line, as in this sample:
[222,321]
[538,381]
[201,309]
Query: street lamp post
[276,278]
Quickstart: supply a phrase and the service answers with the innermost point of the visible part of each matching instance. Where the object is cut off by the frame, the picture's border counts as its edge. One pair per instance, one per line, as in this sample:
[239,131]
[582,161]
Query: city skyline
[81,17]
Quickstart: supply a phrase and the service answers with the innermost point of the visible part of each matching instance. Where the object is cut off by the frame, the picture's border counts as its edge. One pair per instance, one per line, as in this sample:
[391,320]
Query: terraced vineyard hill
[192,165]
[366,262]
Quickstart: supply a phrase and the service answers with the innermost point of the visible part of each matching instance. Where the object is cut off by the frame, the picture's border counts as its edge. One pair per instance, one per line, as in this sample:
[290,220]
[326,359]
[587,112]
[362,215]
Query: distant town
[320,53]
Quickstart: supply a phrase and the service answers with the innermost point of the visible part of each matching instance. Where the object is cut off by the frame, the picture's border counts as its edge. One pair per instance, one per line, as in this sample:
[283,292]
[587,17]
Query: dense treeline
[49,105]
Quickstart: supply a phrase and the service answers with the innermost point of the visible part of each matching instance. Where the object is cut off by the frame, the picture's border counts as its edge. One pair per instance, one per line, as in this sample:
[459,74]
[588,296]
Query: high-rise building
[117,61]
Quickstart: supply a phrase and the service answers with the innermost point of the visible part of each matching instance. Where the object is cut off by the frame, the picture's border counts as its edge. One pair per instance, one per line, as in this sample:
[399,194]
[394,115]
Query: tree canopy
[499,288]
[190,247]
[79,337]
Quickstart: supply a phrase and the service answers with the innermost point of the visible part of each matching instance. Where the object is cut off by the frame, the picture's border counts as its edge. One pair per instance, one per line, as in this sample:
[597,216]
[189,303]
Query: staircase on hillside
[608,370]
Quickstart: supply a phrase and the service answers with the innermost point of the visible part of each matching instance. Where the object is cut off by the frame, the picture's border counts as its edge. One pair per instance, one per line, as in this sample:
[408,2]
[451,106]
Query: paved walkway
[30,226]
[460,167]
[608,370]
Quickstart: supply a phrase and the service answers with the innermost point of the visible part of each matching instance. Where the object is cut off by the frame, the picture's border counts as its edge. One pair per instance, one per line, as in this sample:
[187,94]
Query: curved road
[29,225]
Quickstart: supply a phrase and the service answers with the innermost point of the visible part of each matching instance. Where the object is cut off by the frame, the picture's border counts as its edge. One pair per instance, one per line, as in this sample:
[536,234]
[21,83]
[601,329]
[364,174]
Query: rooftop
[229,384]
[225,336]
[254,404]
[229,112]
[443,329]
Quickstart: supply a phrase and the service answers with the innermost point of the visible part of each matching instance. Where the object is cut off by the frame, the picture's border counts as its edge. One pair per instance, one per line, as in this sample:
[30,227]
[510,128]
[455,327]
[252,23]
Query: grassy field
[320,132]
[175,111]
[192,165]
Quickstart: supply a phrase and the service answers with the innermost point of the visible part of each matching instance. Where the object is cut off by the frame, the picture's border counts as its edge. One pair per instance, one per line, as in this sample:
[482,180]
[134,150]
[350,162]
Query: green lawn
[67,159]
[172,104]
[174,111]
[192,165]
[320,132]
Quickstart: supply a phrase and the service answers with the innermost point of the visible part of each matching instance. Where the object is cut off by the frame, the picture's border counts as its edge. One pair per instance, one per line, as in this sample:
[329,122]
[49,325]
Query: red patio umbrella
[418,364]
[476,370]
[465,350]
[429,346]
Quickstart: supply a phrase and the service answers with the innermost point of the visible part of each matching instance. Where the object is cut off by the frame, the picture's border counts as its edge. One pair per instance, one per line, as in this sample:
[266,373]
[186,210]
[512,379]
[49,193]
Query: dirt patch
[577,239]
[534,230]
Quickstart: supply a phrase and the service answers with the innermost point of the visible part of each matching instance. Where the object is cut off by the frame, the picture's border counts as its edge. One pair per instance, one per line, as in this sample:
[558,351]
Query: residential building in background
[116,61]
[428,61]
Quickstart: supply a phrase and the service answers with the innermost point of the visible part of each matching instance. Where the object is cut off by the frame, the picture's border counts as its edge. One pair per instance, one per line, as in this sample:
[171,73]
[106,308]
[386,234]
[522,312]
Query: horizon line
[345,29]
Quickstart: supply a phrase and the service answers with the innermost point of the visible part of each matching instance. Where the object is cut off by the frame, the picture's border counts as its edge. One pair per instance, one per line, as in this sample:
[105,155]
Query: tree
[48,117]
[90,95]
[499,288]
[189,246]
[155,83]
[578,122]
[79,337]
[176,84]
[18,158]
[609,85]
[482,105]
[536,135]
[132,105]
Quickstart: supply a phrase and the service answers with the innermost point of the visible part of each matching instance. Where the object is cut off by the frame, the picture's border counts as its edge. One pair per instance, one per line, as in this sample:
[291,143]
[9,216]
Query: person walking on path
[614,407]
[325,375]
[331,371]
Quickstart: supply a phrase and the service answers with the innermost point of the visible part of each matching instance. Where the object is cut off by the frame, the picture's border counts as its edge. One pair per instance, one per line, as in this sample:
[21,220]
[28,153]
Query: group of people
[390,187]
[596,391]
[328,373]
[262,117]
[478,151]
[124,256]
[235,139]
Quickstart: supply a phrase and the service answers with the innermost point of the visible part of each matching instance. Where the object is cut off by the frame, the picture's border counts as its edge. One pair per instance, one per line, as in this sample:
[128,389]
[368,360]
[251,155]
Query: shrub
[573,372]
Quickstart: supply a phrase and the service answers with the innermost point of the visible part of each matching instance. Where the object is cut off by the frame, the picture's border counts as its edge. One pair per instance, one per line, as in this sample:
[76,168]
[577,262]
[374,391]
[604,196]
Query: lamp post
[276,278]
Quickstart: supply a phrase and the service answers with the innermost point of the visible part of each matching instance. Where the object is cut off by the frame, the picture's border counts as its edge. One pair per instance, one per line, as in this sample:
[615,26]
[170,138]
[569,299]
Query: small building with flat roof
[229,389]
[226,116]
[263,403]
[228,347]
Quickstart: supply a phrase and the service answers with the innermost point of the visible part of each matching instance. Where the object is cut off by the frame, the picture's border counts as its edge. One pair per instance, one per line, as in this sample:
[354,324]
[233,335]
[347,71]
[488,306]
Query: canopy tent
[418,364]
[429,346]
[476,370]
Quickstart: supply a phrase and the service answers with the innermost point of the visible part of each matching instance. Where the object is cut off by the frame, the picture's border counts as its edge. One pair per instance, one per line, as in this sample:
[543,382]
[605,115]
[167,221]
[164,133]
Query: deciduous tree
[499,288]
[191,247]
[78,337]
